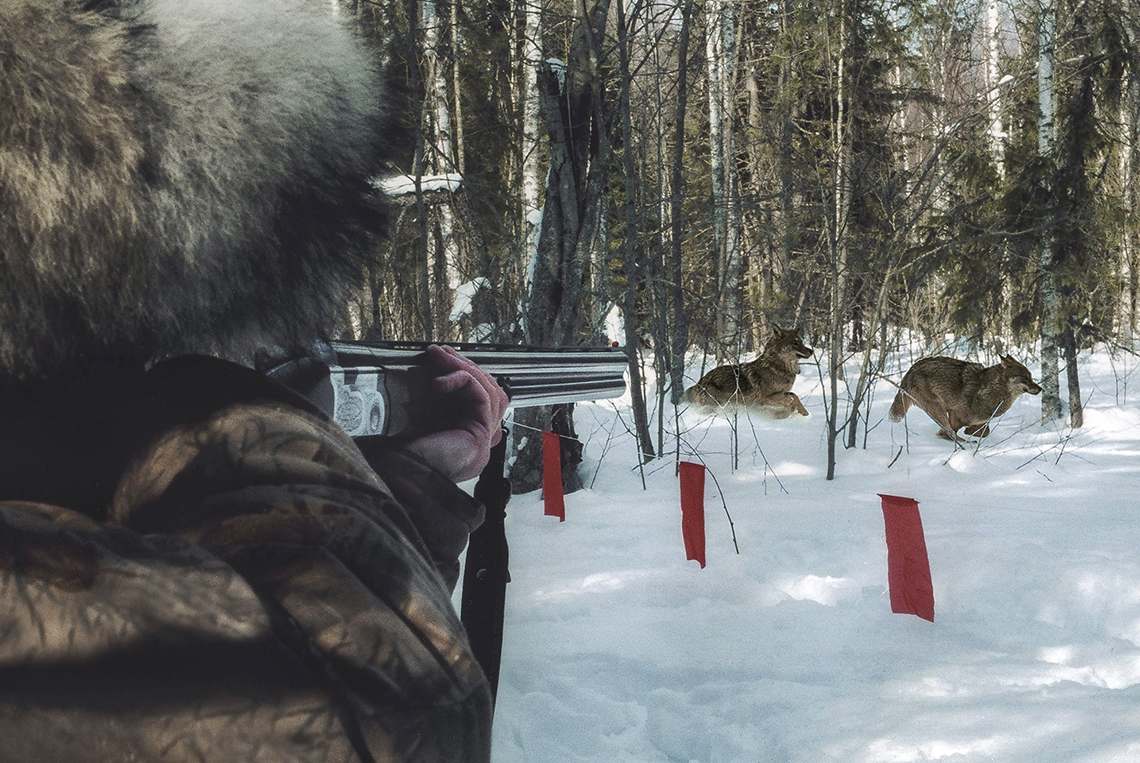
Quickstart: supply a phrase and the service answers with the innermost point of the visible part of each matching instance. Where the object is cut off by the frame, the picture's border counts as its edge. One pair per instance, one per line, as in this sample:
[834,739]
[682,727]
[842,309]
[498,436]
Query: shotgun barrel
[377,388]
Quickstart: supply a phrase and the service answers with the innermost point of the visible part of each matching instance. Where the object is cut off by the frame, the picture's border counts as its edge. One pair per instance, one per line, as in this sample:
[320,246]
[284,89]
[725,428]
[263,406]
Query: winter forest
[856,170]
[892,179]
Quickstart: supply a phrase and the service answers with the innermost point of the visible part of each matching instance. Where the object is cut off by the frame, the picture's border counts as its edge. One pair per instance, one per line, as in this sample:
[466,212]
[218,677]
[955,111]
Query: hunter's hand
[461,446]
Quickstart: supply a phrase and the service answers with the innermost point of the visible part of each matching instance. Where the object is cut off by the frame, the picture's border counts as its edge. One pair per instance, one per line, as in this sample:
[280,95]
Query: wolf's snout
[1034,389]
[804,351]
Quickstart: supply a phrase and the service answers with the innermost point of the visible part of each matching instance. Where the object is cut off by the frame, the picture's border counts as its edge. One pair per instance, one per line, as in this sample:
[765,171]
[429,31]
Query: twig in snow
[896,458]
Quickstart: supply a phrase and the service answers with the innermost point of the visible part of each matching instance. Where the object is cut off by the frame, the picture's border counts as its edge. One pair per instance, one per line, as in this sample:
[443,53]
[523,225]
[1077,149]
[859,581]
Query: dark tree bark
[573,111]
[632,252]
[676,210]
[423,265]
[1072,376]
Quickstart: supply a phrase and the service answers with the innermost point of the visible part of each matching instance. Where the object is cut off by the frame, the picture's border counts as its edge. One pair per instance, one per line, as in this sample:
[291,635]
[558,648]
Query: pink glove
[462,447]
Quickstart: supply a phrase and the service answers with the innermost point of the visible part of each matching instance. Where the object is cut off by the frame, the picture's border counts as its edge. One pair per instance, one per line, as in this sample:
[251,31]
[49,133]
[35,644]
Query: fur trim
[179,176]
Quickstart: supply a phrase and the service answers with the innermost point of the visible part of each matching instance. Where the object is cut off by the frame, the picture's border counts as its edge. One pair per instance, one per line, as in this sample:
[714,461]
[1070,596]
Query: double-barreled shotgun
[379,388]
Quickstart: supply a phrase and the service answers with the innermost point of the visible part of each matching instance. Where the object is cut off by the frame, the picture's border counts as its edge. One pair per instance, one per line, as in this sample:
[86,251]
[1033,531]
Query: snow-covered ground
[617,649]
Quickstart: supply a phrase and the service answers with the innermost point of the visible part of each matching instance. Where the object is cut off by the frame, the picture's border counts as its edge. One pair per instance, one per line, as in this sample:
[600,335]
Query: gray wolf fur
[179,176]
[764,383]
[957,394]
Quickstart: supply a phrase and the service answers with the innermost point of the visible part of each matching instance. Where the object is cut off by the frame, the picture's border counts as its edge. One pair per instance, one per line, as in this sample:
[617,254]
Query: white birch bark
[991,33]
[992,29]
[1050,299]
[460,159]
[901,127]
[1130,250]
[721,64]
[714,55]
[531,178]
[842,197]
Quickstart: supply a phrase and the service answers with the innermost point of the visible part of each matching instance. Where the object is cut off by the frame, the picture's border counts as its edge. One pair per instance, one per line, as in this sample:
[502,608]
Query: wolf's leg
[978,430]
[783,404]
[774,411]
[946,433]
[797,405]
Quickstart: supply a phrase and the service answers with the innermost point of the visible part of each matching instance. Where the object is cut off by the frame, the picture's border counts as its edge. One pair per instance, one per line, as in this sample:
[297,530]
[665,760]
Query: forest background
[863,170]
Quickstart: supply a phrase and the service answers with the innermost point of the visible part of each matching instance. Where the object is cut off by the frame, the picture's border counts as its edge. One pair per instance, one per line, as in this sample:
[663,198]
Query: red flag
[552,499]
[693,510]
[908,568]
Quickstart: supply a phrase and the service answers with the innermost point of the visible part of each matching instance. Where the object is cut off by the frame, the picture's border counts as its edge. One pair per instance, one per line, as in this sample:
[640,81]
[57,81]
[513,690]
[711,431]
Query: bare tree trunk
[786,116]
[438,146]
[760,252]
[863,385]
[842,187]
[992,32]
[838,246]
[676,211]
[1130,172]
[721,59]
[632,251]
[991,27]
[423,262]
[530,212]
[457,100]
[1076,405]
[658,286]
[1050,299]
[574,114]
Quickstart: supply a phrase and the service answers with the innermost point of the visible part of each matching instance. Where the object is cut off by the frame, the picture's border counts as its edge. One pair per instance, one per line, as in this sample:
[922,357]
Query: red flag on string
[554,504]
[908,568]
[693,510]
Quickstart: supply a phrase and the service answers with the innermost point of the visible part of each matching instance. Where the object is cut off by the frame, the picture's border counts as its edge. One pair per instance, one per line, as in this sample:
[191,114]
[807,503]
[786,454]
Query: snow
[464,294]
[558,67]
[616,648]
[615,325]
[402,185]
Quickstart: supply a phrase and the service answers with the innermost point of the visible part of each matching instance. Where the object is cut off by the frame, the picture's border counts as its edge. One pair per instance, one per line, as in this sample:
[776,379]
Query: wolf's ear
[1008,361]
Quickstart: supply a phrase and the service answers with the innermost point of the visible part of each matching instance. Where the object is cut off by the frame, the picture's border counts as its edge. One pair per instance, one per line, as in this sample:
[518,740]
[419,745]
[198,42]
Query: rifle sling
[485,574]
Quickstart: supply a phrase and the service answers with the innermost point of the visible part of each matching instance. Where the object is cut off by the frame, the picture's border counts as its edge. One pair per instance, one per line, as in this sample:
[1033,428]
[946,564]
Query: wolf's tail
[901,404]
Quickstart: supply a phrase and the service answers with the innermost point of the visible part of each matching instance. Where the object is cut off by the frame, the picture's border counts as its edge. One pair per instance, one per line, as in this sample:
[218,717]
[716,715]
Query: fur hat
[179,175]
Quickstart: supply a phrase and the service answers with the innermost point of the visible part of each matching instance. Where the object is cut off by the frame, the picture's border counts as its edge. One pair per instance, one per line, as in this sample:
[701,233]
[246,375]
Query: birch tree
[721,59]
[992,40]
[530,48]
[837,238]
[1129,267]
[1050,299]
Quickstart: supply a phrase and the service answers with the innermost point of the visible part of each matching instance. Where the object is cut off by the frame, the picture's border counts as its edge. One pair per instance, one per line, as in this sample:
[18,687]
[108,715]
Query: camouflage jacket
[194,565]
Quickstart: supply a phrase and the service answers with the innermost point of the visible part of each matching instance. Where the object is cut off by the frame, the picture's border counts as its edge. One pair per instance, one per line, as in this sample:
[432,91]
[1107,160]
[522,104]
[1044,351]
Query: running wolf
[765,383]
[956,393]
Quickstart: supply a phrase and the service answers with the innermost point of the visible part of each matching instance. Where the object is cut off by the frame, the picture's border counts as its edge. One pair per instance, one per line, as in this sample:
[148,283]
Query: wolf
[764,383]
[180,176]
[956,393]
